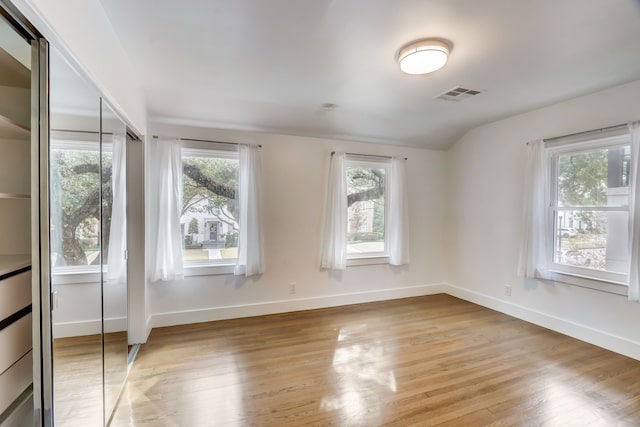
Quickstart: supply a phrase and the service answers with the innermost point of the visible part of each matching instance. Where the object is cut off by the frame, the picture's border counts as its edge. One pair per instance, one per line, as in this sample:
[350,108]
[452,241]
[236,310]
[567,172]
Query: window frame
[191,148]
[603,280]
[372,162]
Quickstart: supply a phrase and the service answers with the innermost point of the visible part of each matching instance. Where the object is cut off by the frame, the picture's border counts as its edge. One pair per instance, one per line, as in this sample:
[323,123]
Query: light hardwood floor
[77,373]
[78,364]
[433,360]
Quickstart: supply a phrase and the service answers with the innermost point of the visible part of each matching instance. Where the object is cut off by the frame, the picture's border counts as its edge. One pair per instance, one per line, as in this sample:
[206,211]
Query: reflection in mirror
[75,191]
[114,245]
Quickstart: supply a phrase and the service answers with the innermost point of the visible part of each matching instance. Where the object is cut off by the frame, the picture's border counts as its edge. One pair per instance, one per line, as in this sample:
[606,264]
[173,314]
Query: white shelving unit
[16,364]
[14,196]
[10,129]
[10,263]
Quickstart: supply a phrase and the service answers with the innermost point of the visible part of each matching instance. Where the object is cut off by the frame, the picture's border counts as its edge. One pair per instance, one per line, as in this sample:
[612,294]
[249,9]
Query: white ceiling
[70,94]
[270,65]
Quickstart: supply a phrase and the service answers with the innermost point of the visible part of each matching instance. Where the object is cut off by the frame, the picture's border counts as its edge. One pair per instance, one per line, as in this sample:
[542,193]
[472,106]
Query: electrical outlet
[292,288]
[507,290]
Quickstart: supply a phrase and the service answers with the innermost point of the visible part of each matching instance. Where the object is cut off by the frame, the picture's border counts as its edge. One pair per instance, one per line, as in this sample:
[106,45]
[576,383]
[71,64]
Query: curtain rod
[367,155]
[207,140]
[587,132]
[132,136]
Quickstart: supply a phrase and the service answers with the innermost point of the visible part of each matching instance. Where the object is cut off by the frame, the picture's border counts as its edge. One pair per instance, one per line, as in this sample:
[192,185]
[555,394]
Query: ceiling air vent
[458,94]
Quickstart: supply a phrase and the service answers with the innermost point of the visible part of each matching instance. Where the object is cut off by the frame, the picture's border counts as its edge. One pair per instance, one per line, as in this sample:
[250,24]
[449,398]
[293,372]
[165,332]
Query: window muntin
[589,203]
[209,215]
[366,208]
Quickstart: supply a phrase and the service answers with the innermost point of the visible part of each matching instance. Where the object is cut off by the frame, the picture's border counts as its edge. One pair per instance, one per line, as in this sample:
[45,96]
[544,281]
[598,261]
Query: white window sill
[590,282]
[368,260]
[75,275]
[208,270]
[72,276]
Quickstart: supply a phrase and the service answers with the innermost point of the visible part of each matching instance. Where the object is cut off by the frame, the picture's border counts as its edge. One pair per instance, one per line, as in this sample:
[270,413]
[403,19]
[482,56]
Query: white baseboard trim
[283,306]
[88,327]
[148,327]
[584,333]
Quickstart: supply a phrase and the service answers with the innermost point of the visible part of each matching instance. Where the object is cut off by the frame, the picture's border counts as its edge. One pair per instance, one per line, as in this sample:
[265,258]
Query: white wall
[486,179]
[81,28]
[295,173]
[78,307]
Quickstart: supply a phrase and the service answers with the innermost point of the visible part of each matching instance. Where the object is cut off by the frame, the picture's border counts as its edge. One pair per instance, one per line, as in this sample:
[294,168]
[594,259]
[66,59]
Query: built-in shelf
[10,129]
[11,263]
[14,196]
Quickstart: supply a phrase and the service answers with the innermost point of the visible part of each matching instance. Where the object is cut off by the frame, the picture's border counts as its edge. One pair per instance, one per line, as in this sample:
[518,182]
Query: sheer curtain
[166,161]
[634,213]
[398,214]
[536,242]
[250,241]
[116,262]
[334,237]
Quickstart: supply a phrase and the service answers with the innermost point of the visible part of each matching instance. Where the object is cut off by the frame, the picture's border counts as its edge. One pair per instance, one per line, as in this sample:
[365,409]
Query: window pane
[209,219]
[366,216]
[75,196]
[588,178]
[592,239]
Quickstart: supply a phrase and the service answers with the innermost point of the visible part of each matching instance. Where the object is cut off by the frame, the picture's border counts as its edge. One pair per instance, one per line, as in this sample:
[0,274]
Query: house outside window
[589,206]
[367,187]
[209,220]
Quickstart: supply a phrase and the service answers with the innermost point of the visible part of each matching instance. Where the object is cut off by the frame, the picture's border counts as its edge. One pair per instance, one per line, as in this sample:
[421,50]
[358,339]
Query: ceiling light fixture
[423,56]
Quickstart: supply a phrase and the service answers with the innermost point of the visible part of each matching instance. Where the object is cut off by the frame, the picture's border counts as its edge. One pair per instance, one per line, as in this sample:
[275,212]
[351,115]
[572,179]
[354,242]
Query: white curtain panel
[116,262]
[250,241]
[334,237]
[634,213]
[398,214]
[536,242]
[166,261]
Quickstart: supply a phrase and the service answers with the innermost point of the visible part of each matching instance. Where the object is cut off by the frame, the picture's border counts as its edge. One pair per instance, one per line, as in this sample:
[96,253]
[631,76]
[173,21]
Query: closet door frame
[43,368]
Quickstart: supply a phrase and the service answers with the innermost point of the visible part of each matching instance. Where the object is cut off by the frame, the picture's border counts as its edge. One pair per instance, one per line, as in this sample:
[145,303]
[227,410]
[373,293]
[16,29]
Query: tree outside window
[366,208]
[75,206]
[591,213]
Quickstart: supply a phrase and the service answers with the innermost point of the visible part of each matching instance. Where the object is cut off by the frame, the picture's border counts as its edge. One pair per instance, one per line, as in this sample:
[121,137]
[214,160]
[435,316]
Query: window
[366,208]
[366,218]
[589,203]
[75,209]
[209,220]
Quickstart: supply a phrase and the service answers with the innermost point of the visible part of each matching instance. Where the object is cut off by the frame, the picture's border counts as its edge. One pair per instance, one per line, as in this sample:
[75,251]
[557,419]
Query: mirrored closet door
[113,135]
[75,188]
[88,250]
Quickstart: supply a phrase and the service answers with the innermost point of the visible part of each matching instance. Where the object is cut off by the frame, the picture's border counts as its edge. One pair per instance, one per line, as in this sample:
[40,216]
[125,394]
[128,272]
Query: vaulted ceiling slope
[271,65]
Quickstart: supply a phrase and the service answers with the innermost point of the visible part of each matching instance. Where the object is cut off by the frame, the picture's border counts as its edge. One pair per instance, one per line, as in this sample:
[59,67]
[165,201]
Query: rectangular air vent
[458,94]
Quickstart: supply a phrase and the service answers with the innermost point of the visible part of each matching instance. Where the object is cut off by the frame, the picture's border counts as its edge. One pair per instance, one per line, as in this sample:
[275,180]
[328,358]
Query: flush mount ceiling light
[423,56]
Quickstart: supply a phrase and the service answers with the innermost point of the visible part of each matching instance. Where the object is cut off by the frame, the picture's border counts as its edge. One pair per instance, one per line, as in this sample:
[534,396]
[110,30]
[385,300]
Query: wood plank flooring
[433,360]
[77,373]
[78,377]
